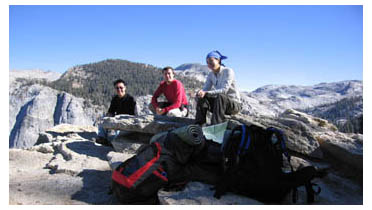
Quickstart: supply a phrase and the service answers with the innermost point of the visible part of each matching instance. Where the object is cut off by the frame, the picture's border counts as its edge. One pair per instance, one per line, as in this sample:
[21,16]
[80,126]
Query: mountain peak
[34,74]
[193,70]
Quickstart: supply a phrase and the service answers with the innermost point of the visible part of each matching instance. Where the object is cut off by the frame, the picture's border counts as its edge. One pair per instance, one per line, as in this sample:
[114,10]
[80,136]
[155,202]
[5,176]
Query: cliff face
[35,108]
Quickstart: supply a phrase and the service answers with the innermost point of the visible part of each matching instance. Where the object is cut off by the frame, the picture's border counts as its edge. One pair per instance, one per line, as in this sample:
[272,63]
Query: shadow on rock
[88,135]
[96,188]
[90,149]
[83,134]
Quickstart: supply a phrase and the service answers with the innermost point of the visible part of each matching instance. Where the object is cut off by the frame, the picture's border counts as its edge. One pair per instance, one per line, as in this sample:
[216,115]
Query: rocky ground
[68,167]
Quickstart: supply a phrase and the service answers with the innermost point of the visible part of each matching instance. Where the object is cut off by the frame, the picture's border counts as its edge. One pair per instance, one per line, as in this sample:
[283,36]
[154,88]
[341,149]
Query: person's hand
[201,94]
[159,111]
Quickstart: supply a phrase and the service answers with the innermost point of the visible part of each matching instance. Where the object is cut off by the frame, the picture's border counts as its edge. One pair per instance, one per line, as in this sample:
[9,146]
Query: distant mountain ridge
[193,70]
[38,100]
[303,97]
[338,102]
[34,74]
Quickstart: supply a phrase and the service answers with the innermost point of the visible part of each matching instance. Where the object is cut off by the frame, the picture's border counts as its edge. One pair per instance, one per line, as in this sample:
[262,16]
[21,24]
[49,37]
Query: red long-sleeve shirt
[174,93]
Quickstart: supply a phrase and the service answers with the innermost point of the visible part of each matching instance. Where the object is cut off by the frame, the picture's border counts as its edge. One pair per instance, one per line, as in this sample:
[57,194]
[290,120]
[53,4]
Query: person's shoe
[103,141]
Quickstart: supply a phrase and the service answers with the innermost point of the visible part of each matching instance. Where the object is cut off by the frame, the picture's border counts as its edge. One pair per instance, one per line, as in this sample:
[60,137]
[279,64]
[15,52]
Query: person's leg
[224,105]
[233,107]
[102,133]
[219,109]
[102,136]
[203,106]
[112,134]
[177,113]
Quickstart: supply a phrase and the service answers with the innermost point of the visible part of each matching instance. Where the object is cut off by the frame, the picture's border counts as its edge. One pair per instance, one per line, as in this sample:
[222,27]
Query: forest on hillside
[95,81]
[346,114]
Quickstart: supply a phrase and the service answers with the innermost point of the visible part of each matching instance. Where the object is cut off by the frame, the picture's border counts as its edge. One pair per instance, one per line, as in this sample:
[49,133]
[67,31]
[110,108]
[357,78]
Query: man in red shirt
[175,94]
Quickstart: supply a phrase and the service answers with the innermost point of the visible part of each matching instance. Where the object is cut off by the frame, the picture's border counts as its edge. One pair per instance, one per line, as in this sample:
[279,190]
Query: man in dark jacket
[121,103]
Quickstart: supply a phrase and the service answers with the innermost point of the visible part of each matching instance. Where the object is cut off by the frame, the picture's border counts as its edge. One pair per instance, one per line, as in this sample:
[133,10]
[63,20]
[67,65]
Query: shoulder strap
[282,141]
[242,139]
[131,180]
[241,146]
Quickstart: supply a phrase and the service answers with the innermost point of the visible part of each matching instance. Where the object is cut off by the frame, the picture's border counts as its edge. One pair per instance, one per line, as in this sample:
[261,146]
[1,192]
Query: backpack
[253,166]
[138,179]
[161,164]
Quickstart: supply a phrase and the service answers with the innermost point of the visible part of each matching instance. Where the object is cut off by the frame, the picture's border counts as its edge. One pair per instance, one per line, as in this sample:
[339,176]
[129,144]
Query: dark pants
[220,105]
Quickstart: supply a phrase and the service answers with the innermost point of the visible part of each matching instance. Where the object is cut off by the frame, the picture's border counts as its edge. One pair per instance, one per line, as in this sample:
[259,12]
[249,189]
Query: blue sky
[292,45]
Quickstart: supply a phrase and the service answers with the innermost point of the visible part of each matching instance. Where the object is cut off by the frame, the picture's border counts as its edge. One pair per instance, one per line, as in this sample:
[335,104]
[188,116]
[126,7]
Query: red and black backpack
[138,179]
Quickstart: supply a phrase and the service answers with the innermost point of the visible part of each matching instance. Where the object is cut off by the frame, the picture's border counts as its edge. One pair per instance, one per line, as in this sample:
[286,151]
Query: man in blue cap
[220,94]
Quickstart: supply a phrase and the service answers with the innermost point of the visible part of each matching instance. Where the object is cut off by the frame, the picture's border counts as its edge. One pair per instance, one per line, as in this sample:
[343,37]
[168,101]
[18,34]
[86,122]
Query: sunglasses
[119,88]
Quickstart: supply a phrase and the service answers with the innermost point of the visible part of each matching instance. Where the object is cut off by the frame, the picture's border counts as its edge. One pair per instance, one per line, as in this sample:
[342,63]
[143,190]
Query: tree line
[345,114]
[94,81]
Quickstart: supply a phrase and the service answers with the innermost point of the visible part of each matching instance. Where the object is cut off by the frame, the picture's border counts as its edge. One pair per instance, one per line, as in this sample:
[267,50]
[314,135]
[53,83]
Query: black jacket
[125,105]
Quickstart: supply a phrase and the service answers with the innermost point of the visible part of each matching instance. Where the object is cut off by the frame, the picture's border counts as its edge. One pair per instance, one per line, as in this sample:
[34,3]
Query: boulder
[150,124]
[315,122]
[301,137]
[346,148]
[128,141]
[67,130]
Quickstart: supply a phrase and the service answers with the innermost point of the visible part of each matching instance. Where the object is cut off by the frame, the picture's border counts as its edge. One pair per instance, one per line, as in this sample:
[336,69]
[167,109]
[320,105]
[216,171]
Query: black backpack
[253,166]
[138,179]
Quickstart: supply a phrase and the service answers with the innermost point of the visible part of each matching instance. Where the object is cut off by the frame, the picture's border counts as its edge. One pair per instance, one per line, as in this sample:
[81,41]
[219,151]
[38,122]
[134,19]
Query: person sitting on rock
[224,98]
[121,103]
[174,92]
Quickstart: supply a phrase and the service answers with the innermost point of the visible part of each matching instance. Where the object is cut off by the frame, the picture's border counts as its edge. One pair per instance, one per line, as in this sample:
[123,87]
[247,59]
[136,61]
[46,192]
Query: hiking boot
[103,141]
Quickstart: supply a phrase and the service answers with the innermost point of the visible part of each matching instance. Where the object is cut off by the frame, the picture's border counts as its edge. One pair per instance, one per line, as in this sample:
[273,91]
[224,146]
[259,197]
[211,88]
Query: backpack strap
[248,143]
[285,150]
[311,192]
[282,138]
[241,145]
[245,140]
[161,174]
[131,179]
[226,144]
